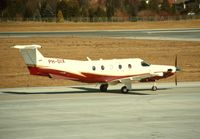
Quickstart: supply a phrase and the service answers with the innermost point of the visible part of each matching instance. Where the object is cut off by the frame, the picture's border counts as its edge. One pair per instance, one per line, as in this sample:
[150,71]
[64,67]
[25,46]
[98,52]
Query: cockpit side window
[145,64]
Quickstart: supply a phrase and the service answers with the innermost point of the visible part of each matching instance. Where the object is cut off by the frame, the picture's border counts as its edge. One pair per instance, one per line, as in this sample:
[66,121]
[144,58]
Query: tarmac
[186,34]
[82,112]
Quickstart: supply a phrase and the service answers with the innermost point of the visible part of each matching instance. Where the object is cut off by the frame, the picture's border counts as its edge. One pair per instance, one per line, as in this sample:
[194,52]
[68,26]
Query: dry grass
[39,26]
[14,73]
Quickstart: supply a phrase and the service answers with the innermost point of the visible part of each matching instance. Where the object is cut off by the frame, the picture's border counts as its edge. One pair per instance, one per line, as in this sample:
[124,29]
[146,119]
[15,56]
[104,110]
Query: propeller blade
[176,80]
[176,61]
[176,64]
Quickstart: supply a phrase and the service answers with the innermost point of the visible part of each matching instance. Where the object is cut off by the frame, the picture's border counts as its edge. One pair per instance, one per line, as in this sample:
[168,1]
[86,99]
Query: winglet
[34,46]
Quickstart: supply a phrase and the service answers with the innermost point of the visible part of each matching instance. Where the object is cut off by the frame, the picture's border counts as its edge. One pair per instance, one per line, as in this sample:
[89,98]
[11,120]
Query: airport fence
[106,19]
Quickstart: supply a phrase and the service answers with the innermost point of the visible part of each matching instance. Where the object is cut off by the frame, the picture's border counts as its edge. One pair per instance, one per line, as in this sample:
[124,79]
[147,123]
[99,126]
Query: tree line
[66,9]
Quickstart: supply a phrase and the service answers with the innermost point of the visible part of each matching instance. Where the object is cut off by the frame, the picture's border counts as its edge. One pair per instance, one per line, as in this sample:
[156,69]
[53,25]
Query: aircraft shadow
[40,93]
[82,90]
[88,90]
[114,91]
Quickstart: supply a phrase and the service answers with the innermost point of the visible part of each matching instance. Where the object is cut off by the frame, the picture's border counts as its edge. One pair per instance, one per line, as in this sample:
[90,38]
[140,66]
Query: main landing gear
[124,89]
[104,87]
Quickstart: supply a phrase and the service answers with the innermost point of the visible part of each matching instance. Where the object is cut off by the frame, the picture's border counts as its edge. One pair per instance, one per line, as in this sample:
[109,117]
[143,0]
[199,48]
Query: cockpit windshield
[145,64]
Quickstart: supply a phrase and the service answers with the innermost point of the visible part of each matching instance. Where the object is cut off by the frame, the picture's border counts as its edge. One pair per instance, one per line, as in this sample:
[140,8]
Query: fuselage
[100,71]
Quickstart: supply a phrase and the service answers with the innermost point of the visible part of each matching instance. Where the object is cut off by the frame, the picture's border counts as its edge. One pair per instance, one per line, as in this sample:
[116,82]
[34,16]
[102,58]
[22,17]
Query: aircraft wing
[131,79]
[143,78]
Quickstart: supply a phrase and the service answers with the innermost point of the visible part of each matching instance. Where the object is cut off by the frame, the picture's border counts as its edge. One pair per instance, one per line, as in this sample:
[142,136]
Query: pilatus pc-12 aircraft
[104,72]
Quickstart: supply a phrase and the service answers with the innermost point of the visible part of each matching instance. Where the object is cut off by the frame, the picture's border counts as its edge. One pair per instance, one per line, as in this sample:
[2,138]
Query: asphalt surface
[82,112]
[156,34]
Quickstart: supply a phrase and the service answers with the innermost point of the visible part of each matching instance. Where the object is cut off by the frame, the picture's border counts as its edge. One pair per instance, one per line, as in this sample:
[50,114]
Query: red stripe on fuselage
[37,71]
[152,79]
[87,77]
[46,72]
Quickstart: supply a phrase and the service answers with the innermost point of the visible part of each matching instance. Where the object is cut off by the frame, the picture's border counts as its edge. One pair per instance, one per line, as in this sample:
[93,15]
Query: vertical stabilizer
[30,54]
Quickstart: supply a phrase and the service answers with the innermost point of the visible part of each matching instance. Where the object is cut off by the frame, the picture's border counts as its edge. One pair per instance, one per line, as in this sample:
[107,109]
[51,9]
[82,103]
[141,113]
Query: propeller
[176,81]
[177,70]
[176,63]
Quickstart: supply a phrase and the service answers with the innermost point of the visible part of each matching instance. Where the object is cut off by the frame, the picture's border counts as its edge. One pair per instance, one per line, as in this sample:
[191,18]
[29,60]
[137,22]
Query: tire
[154,88]
[124,89]
[104,87]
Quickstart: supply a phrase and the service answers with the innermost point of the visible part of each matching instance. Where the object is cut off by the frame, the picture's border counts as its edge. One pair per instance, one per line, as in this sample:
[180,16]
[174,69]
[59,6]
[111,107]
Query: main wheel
[154,88]
[103,87]
[124,89]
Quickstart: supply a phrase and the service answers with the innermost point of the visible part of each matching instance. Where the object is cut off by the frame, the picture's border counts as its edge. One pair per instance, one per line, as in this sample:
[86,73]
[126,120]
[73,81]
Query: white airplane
[104,72]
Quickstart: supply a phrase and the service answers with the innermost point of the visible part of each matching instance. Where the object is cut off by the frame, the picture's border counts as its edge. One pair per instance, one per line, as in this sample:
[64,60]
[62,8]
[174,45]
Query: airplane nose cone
[174,69]
[178,69]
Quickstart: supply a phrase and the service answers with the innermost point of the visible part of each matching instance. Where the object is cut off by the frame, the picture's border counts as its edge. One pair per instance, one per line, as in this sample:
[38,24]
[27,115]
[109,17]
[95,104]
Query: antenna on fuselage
[89,59]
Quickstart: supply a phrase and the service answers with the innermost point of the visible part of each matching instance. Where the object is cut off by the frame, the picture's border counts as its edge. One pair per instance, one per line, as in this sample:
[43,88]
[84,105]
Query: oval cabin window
[93,68]
[129,66]
[102,67]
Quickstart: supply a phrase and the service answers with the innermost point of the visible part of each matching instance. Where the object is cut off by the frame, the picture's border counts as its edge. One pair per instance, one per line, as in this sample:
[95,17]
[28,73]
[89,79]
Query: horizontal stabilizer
[34,46]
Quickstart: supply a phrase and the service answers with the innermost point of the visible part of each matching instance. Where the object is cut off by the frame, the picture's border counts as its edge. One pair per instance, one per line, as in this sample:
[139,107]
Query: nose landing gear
[154,87]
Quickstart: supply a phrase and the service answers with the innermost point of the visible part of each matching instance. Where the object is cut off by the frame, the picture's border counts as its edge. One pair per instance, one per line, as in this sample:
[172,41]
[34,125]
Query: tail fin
[30,53]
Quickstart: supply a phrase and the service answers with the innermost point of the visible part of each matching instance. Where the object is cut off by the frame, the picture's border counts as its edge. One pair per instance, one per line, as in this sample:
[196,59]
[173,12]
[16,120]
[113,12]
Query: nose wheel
[154,87]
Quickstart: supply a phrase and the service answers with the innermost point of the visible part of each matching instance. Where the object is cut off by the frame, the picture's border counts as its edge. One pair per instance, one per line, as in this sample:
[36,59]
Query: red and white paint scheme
[104,72]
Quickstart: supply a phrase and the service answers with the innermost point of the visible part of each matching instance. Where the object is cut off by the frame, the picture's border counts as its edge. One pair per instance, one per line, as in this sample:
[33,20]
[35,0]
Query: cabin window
[145,64]
[129,66]
[93,68]
[102,67]
[120,66]
[111,67]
